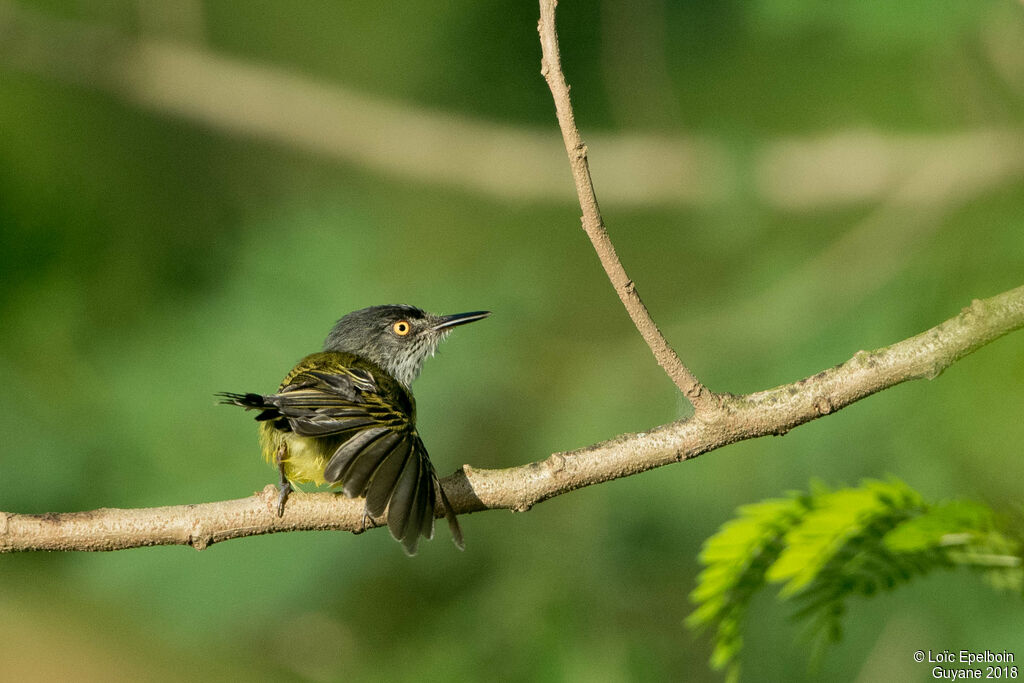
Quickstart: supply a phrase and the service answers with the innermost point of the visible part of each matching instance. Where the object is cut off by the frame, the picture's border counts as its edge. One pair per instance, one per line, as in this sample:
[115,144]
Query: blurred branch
[593,224]
[860,165]
[738,418]
[182,19]
[280,107]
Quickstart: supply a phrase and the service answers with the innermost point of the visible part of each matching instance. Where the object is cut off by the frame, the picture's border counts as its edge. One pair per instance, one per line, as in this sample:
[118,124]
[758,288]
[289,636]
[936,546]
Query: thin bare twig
[593,224]
[774,411]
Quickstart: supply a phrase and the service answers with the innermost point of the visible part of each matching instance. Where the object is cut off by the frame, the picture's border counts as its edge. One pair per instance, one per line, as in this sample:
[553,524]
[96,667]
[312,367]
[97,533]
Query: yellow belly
[305,457]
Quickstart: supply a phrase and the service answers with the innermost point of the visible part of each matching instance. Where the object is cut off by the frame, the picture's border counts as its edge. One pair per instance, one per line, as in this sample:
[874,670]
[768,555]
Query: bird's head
[398,338]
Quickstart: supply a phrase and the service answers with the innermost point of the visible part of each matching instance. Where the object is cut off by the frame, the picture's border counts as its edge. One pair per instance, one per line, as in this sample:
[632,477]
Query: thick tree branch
[737,418]
[593,224]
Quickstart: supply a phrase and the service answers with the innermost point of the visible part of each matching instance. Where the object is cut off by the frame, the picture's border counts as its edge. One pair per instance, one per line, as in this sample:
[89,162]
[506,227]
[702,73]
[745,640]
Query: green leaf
[827,546]
[839,520]
[736,559]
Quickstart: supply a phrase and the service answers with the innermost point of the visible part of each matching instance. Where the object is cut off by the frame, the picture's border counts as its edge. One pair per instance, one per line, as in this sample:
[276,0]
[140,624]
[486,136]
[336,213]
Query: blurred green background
[191,193]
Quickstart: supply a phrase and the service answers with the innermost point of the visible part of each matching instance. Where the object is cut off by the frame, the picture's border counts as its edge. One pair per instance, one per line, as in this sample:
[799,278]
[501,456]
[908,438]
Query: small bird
[346,417]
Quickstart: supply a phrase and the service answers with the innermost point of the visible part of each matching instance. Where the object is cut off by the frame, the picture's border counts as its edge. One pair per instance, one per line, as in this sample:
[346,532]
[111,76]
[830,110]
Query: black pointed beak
[445,322]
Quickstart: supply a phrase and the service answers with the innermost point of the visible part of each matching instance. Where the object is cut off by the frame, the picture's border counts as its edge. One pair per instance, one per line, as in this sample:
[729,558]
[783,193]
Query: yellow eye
[402,328]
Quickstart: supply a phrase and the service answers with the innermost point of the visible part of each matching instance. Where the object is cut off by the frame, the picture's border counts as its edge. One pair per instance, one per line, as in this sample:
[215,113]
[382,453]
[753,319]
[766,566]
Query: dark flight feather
[357,474]
[351,449]
[418,509]
[385,479]
[427,525]
[400,505]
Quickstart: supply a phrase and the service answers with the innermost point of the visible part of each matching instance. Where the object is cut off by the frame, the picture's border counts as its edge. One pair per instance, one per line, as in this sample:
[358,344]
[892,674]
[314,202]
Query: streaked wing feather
[324,403]
[325,426]
[352,380]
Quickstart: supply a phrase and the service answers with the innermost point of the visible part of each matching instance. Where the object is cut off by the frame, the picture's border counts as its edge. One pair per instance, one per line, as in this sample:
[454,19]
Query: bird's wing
[327,402]
[383,459]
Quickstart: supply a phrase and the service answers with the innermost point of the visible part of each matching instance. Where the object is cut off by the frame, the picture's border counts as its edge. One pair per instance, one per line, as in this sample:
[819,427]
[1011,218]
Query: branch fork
[719,419]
